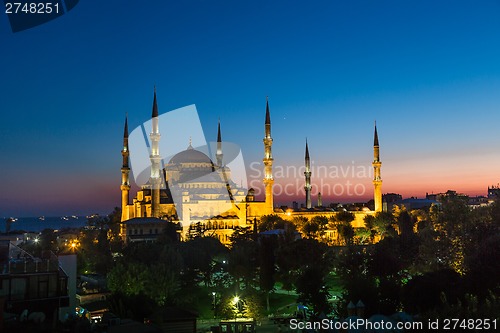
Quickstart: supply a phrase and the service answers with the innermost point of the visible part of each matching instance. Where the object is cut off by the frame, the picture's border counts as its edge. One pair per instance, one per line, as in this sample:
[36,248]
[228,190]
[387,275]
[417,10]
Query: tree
[127,279]
[346,232]
[198,257]
[451,223]
[362,235]
[383,224]
[242,261]
[369,221]
[353,268]
[342,223]
[344,217]
[271,222]
[267,266]
[299,221]
[311,287]
[95,250]
[153,271]
[115,240]
[48,240]
[163,284]
[295,260]
[426,292]
[316,227]
[408,240]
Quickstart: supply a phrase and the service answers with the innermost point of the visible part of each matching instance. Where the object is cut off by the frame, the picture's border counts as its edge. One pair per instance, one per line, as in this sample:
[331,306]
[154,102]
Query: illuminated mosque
[206,199]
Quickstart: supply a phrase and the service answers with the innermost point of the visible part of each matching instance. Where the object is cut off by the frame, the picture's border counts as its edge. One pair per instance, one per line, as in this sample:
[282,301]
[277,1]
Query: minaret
[125,186]
[268,163]
[377,180]
[320,200]
[307,173]
[219,155]
[155,158]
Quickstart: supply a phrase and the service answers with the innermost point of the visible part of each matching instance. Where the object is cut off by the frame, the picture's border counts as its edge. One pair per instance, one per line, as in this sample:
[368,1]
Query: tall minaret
[320,200]
[377,180]
[268,163]
[155,158]
[219,155]
[125,186]
[307,173]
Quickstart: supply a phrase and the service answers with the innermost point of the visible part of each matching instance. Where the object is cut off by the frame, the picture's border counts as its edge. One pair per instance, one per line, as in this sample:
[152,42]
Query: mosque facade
[207,201]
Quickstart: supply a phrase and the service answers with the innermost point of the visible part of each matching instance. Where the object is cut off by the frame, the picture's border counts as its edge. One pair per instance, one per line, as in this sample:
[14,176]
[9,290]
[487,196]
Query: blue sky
[427,71]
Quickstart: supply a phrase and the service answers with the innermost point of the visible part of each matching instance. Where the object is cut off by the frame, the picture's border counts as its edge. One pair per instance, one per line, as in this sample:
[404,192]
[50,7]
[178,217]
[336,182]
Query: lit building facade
[206,190]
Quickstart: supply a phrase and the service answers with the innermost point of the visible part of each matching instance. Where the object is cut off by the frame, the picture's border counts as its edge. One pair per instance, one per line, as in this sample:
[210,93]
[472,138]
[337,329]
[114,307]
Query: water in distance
[36,224]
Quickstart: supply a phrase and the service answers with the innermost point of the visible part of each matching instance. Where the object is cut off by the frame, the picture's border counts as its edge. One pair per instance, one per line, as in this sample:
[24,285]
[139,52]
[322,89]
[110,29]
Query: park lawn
[203,303]
[335,287]
[281,303]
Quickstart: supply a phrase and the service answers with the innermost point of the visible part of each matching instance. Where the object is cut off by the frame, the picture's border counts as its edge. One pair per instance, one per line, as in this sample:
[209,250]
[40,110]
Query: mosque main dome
[190,156]
[191,165]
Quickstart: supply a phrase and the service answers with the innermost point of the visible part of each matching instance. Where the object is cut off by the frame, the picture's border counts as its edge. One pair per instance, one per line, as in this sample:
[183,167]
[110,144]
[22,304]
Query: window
[18,288]
[43,287]
[63,286]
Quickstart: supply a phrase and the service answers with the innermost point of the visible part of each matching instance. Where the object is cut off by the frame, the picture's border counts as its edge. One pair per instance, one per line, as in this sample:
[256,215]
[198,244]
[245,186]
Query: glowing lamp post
[236,301]
[213,301]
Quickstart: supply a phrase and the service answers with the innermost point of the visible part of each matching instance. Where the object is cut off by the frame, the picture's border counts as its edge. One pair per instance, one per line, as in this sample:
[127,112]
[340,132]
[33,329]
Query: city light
[213,302]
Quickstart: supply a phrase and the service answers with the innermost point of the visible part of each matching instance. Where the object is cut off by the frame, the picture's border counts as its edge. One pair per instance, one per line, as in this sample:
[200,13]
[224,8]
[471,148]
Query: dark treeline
[442,262]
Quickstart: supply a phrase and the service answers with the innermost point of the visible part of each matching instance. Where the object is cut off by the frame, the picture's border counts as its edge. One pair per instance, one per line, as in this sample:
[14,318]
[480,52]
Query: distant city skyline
[427,72]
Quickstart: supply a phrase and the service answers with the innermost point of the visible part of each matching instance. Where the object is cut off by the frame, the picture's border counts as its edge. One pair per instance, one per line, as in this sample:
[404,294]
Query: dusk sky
[427,71]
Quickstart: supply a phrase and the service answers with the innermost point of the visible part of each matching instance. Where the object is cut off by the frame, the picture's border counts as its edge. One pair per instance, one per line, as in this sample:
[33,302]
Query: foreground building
[31,286]
[210,200]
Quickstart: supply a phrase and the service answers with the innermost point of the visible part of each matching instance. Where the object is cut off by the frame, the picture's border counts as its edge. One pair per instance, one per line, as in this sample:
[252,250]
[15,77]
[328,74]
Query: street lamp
[236,301]
[213,302]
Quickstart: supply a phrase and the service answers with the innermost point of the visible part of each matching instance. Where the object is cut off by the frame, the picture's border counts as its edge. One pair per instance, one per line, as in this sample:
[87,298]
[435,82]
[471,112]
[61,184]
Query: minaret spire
[125,185]
[219,154]
[155,158]
[307,152]
[219,137]
[307,174]
[268,162]
[377,180]
[154,113]
[125,130]
[268,116]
